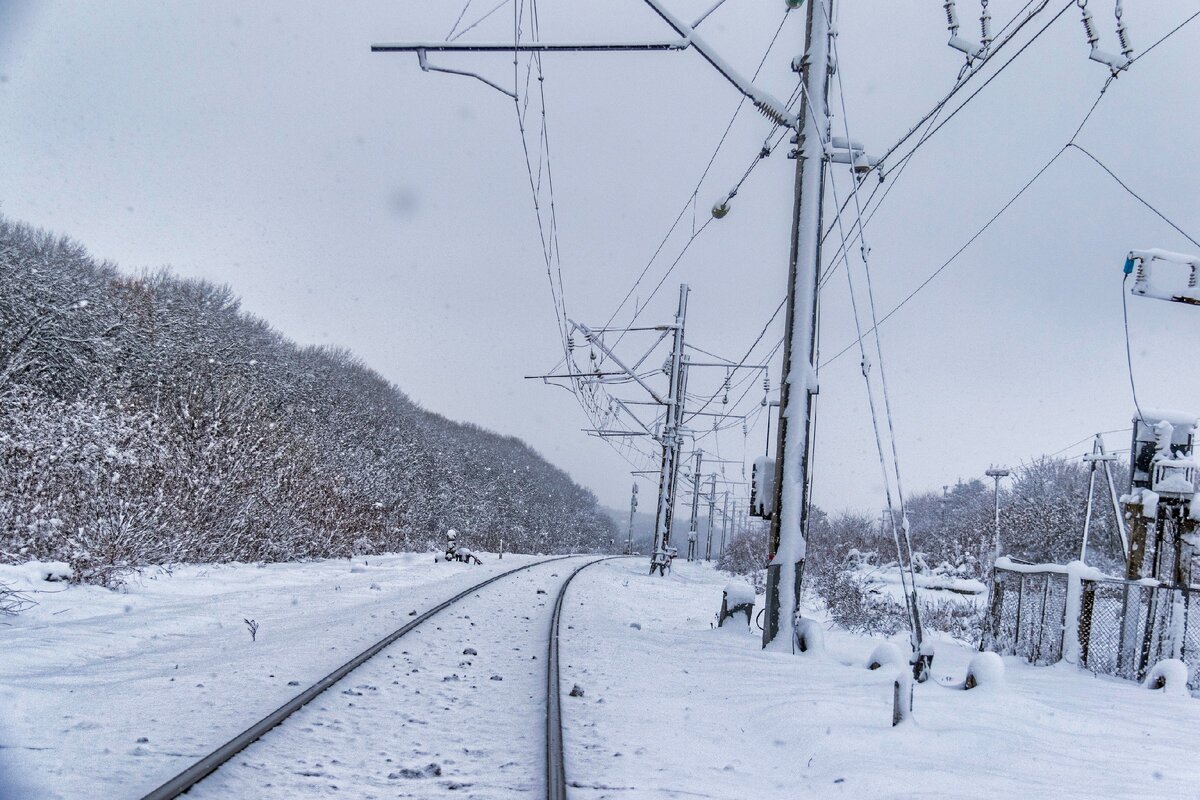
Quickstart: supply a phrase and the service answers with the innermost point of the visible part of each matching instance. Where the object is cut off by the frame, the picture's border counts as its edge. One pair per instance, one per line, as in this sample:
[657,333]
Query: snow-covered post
[996,474]
[799,384]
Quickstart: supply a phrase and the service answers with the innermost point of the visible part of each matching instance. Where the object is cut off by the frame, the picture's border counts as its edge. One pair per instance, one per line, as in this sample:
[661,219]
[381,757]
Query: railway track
[555,773]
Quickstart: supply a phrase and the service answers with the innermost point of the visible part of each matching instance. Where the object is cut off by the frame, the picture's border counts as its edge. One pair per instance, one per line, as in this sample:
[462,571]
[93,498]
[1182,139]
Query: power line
[1008,204]
[1134,194]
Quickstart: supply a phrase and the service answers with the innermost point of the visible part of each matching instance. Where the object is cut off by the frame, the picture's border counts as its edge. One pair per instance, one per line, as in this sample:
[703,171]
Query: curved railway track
[555,772]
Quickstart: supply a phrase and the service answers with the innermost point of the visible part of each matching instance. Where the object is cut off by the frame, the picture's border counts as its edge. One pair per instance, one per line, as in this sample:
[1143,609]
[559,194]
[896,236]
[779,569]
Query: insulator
[985,27]
[1126,45]
[1090,27]
[771,113]
[571,342]
[745,430]
[951,17]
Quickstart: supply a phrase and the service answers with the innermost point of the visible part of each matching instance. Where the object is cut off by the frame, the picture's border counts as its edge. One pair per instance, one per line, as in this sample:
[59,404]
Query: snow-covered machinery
[456,552]
[1163,506]
[738,598]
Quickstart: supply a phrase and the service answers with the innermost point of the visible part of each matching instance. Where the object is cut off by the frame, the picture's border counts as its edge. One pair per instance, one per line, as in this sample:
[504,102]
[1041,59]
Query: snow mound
[32,573]
[986,671]
[810,637]
[737,593]
[1170,675]
[885,655]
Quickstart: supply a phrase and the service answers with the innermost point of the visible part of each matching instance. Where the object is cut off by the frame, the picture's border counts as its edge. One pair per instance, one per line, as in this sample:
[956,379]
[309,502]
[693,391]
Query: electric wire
[1129,350]
[1135,195]
[864,251]
[470,27]
[978,233]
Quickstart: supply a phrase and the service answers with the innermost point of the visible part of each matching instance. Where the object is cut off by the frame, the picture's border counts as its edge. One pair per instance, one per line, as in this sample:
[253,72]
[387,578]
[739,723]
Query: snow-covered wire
[458,21]
[455,36]
[864,251]
[1128,348]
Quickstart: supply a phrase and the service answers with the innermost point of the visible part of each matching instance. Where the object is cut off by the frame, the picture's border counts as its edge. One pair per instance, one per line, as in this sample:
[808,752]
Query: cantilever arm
[764,101]
[427,67]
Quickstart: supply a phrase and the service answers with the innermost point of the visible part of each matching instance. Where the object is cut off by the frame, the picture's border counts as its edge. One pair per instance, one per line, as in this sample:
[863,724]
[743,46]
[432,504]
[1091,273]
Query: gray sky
[351,199]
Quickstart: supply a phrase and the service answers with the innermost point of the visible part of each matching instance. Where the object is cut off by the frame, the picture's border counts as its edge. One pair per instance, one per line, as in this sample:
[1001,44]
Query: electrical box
[762,488]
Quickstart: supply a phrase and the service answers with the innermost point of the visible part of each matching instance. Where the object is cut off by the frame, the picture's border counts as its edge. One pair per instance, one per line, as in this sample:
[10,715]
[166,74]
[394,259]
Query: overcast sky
[351,199]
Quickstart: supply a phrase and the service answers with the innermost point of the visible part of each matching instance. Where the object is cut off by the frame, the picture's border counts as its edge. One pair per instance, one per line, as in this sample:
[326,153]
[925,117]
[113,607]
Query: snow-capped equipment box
[738,598]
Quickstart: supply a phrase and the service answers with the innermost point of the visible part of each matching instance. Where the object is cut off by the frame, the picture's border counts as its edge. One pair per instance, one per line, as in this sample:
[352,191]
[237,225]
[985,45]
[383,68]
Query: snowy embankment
[674,709]
[106,694]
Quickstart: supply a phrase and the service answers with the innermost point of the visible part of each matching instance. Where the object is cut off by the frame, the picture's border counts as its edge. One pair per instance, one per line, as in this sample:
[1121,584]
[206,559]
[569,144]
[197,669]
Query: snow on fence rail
[1121,628]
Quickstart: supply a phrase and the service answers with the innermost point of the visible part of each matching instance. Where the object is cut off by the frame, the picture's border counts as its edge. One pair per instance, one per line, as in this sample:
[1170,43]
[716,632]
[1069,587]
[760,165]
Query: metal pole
[670,437]
[724,523]
[712,508]
[632,509]
[789,524]
[1087,517]
[692,536]
[996,475]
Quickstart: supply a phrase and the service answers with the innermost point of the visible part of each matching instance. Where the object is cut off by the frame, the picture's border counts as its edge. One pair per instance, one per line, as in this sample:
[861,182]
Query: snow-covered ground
[678,710]
[106,694]
[671,708]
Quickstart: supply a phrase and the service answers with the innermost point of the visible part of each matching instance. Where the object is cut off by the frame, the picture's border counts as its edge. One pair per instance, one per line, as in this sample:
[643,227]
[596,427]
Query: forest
[148,419]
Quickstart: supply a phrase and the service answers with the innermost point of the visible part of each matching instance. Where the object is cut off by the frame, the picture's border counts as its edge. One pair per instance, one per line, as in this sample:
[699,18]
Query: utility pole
[692,535]
[724,523]
[787,547]
[996,475]
[712,508]
[789,524]
[671,439]
[632,511]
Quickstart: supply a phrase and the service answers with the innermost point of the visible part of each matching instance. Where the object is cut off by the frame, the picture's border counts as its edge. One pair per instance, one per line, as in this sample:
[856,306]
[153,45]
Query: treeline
[149,420]
[1042,511]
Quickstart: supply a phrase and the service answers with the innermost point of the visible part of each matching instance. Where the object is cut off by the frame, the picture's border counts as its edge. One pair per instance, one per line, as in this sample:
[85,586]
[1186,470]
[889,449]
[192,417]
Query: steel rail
[556,773]
[185,780]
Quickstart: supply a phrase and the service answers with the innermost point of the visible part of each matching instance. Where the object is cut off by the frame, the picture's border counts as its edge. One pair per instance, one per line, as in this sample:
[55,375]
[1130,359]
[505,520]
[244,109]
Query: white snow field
[670,707]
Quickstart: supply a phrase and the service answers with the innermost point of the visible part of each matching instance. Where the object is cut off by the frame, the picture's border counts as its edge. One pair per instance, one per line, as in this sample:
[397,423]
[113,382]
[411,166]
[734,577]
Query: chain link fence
[1027,612]
[1125,627]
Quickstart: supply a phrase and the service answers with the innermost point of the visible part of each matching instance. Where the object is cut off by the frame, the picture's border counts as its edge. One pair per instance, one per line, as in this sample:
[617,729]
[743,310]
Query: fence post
[1020,606]
[991,631]
[1087,606]
[1041,632]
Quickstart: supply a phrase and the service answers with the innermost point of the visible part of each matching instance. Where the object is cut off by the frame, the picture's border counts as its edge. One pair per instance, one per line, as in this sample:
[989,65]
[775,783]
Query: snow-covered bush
[746,555]
[13,602]
[149,419]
